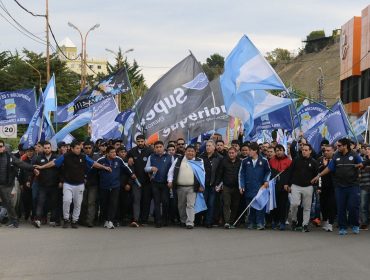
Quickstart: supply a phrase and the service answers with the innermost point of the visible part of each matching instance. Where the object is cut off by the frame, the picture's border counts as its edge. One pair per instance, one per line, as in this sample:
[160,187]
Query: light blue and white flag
[246,72]
[311,115]
[360,125]
[39,128]
[199,171]
[103,124]
[271,204]
[79,121]
[265,198]
[50,97]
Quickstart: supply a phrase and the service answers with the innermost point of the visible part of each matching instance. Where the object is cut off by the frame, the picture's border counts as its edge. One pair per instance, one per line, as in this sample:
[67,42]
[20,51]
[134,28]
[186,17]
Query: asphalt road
[174,253]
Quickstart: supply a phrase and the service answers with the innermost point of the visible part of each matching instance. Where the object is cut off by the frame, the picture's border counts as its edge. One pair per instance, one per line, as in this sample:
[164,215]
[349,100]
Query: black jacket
[228,172]
[12,165]
[140,159]
[211,166]
[176,173]
[48,177]
[302,171]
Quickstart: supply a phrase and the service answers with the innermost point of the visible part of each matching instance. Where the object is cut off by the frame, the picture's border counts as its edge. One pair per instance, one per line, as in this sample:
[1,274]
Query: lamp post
[118,98]
[83,51]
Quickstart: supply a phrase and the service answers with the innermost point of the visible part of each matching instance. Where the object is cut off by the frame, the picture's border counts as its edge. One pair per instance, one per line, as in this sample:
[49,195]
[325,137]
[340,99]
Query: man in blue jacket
[109,183]
[158,165]
[254,174]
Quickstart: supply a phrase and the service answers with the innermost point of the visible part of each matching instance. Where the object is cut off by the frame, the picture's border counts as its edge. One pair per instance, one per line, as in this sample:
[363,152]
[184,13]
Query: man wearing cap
[8,162]
[137,159]
[74,164]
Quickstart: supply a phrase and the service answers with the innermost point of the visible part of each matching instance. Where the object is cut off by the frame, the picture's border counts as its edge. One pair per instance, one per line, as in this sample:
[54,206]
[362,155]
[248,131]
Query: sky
[162,32]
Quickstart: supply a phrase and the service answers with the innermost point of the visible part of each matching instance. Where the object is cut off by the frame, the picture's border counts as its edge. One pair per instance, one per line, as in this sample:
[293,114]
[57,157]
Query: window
[99,66]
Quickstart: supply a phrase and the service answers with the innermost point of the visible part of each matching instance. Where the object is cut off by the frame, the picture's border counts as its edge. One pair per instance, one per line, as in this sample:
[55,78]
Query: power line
[21,30]
[60,50]
[2,6]
[35,15]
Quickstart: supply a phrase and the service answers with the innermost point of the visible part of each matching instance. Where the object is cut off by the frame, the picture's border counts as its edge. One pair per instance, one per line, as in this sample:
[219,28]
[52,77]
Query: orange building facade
[355,63]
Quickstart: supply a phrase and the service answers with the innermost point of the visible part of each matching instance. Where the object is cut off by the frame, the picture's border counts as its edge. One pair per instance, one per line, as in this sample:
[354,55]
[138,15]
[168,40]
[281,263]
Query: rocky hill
[302,73]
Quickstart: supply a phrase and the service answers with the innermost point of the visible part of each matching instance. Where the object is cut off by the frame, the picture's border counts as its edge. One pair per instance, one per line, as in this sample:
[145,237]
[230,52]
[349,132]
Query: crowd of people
[104,184]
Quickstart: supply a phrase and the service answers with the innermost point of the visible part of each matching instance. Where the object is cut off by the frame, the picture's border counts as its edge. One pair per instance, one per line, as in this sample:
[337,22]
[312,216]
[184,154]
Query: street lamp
[118,98]
[83,51]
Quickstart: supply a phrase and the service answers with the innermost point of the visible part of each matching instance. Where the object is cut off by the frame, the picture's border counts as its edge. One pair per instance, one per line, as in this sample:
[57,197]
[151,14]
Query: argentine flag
[50,97]
[247,74]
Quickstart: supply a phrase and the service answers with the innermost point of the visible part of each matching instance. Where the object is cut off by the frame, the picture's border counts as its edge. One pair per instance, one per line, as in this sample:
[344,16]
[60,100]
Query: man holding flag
[188,176]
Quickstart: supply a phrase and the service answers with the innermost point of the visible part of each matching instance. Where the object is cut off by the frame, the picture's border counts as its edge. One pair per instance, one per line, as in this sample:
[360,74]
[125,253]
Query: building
[94,66]
[355,63]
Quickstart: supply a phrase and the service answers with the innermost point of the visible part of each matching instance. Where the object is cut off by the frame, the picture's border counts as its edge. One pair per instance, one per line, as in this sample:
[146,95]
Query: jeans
[209,197]
[109,202]
[88,207]
[161,196]
[49,196]
[255,217]
[146,199]
[348,199]
[365,196]
[231,198]
[6,198]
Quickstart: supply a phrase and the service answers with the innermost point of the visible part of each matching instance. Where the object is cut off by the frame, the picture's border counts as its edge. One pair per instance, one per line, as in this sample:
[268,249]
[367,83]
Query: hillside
[302,73]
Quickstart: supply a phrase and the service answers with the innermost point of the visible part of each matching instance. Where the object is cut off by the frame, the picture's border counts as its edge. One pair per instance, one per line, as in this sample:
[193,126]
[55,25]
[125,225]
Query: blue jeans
[255,217]
[365,196]
[348,199]
[209,197]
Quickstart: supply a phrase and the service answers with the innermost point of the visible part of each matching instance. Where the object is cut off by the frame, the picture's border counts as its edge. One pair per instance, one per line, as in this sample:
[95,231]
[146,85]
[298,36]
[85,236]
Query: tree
[214,66]
[277,56]
[313,42]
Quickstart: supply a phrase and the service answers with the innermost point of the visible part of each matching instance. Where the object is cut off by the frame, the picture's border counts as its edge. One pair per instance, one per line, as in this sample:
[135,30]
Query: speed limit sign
[8,131]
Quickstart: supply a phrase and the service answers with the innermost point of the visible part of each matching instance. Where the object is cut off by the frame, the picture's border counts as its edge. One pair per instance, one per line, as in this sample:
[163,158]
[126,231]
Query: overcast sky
[162,31]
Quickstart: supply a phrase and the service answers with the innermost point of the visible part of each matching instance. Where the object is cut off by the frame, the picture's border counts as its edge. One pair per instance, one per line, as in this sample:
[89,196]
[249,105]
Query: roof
[67,43]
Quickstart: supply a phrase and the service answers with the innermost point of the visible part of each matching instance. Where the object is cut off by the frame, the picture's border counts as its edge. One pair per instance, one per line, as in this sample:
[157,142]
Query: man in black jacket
[137,159]
[302,170]
[8,162]
[212,160]
[228,175]
[48,187]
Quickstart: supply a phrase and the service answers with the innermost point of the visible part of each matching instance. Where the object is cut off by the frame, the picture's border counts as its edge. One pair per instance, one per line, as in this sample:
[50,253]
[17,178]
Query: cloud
[162,31]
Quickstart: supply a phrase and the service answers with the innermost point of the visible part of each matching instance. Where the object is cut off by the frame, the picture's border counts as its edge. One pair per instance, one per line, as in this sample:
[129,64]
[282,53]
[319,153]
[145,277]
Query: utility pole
[47,43]
[320,82]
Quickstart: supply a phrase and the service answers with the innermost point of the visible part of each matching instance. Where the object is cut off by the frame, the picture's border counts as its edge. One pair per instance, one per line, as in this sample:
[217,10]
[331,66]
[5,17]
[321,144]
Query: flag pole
[349,123]
[249,205]
[367,124]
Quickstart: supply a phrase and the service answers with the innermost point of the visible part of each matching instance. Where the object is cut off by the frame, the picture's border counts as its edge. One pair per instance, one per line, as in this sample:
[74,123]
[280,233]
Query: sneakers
[52,224]
[342,231]
[66,223]
[282,227]
[356,230]
[227,226]
[134,224]
[37,223]
[324,225]
[364,227]
[294,225]
[13,225]
[189,227]
[74,225]
[232,227]
[305,228]
[260,227]
[316,222]
[110,225]
[329,228]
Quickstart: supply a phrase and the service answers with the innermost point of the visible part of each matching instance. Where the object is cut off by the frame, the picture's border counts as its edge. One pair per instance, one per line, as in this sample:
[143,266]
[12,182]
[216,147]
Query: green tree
[214,66]
[277,56]
[313,42]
